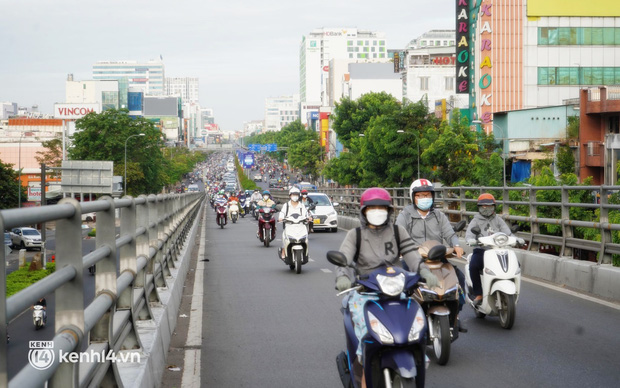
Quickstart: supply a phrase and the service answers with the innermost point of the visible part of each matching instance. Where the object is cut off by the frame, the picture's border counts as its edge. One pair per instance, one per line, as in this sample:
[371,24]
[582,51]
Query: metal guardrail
[152,231]
[454,200]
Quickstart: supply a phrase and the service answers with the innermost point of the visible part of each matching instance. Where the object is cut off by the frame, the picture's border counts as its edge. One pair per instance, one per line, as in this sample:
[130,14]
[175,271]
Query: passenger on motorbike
[307,202]
[379,246]
[423,222]
[233,197]
[489,223]
[266,201]
[256,196]
[293,206]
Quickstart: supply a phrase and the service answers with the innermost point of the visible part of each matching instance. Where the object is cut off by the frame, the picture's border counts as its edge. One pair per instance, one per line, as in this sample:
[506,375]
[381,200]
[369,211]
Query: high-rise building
[149,76]
[321,46]
[186,87]
[281,111]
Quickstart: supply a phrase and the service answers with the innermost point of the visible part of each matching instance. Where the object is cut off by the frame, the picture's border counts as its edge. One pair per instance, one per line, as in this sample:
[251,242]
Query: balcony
[595,154]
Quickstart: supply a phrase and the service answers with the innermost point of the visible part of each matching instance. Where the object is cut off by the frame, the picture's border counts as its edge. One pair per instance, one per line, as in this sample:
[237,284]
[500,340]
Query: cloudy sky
[243,51]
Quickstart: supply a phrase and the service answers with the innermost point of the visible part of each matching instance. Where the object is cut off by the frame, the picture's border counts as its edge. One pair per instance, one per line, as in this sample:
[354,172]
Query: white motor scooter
[501,277]
[233,209]
[295,237]
[38,318]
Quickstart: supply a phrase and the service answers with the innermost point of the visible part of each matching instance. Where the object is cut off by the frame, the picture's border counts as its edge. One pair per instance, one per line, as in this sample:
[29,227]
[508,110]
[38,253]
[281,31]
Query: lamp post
[125,180]
[417,140]
[19,170]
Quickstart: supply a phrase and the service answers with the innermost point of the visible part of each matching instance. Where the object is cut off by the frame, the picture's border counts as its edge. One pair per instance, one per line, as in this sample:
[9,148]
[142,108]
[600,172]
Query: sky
[242,51]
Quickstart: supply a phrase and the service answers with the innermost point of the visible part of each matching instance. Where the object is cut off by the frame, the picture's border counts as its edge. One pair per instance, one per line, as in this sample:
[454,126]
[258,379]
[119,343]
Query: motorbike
[394,347]
[245,207]
[221,217]
[234,211]
[38,318]
[255,210]
[440,303]
[501,277]
[266,234]
[295,235]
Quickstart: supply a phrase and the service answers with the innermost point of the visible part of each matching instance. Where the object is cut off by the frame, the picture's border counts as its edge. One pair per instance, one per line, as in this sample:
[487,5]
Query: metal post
[19,169]
[43,203]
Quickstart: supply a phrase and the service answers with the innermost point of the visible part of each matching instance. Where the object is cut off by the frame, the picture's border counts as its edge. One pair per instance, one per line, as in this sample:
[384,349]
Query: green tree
[102,137]
[52,156]
[9,186]
[566,160]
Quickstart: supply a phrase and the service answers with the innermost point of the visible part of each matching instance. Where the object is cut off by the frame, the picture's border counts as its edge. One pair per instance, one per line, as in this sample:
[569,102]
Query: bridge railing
[454,202]
[152,231]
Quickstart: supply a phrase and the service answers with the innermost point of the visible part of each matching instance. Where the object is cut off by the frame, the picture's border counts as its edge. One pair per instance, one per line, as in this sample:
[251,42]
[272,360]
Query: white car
[324,214]
[26,238]
[258,178]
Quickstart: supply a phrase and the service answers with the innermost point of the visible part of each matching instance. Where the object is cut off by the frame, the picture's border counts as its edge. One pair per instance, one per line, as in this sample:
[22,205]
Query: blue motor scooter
[394,347]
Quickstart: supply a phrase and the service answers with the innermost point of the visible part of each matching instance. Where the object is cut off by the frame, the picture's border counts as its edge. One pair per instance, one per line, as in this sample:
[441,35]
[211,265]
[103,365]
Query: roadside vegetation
[24,277]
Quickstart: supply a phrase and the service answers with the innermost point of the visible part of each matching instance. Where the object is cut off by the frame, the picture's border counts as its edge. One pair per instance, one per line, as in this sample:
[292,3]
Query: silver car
[26,238]
[324,214]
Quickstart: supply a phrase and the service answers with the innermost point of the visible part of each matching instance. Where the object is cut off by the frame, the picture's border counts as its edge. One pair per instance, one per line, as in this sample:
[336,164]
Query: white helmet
[421,185]
[294,190]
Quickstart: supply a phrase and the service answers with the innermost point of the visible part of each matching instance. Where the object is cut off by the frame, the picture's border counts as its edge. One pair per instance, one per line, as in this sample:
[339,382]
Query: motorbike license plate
[316,221]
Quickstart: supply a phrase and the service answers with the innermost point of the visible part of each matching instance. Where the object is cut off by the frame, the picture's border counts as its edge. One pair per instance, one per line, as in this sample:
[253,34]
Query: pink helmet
[375,196]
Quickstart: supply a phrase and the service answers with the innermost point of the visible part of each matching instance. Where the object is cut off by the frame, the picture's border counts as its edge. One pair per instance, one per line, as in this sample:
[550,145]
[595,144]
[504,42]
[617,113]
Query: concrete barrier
[155,334]
[584,276]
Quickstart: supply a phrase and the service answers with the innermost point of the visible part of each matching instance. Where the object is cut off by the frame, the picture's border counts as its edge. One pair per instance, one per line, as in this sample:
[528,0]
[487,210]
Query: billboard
[248,160]
[161,106]
[463,51]
[74,111]
[87,176]
[595,8]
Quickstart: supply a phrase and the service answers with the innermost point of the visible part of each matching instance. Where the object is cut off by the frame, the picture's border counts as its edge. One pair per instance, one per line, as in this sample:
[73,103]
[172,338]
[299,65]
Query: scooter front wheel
[507,310]
[396,380]
[266,239]
[297,257]
[441,340]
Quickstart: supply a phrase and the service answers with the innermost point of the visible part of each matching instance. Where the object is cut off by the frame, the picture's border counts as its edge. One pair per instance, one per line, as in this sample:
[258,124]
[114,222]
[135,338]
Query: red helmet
[375,196]
[486,199]
[304,192]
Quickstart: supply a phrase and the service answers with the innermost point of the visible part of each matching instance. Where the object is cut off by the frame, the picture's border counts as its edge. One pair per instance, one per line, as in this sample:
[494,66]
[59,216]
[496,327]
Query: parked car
[324,214]
[26,238]
[7,239]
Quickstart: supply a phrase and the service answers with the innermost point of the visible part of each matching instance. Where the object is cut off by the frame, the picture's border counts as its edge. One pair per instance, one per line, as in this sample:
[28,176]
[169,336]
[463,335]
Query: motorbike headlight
[384,334]
[500,240]
[391,285]
[417,326]
[489,272]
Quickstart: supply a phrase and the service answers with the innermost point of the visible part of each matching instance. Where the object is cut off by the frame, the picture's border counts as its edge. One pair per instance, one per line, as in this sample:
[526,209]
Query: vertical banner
[324,116]
[462,47]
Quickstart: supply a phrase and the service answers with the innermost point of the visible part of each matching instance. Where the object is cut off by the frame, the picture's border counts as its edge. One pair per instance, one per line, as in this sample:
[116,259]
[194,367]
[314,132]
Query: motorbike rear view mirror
[337,258]
[459,225]
[312,207]
[515,228]
[476,230]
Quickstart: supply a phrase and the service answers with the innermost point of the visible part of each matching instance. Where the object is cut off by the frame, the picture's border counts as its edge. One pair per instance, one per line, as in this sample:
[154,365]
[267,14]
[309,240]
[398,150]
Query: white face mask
[294,198]
[265,197]
[376,217]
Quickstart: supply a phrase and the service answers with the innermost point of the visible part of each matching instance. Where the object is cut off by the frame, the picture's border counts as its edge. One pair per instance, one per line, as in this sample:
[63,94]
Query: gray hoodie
[435,226]
[488,226]
[377,248]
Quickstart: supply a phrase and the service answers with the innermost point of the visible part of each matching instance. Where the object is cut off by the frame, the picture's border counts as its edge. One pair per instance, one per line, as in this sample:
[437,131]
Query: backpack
[358,241]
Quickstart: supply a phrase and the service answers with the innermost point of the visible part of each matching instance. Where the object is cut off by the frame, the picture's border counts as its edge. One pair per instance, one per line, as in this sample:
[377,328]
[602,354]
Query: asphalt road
[265,326]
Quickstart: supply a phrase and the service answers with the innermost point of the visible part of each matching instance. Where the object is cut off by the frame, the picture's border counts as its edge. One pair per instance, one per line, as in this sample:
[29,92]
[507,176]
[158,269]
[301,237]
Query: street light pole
[19,169]
[125,180]
[417,140]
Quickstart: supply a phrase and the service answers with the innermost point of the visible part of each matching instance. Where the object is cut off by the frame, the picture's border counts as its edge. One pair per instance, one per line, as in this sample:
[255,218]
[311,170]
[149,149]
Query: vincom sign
[74,111]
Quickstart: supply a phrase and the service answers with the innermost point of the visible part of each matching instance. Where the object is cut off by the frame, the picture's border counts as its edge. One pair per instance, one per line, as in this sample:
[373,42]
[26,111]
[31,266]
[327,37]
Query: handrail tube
[88,369]
[33,215]
[140,231]
[96,309]
[98,254]
[94,206]
[123,281]
[123,240]
[64,341]
[25,298]
[121,318]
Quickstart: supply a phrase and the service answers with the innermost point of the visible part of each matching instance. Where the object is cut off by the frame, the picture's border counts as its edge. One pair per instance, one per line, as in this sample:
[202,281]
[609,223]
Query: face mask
[265,197]
[305,196]
[376,217]
[424,203]
[294,198]
[486,211]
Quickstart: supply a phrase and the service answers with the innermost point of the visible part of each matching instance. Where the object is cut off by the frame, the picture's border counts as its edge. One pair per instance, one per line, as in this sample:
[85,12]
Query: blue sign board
[248,160]
[314,115]
[272,147]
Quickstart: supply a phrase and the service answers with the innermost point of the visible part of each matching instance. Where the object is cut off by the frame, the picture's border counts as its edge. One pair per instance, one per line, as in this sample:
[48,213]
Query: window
[350,55]
[449,83]
[382,43]
[437,43]
[360,43]
[424,83]
[381,49]
[366,49]
[372,49]
[423,43]
[367,44]
[445,42]
[383,56]
[374,42]
[349,43]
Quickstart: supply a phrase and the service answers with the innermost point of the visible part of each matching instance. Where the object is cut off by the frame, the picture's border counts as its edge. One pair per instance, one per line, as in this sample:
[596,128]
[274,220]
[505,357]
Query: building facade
[281,111]
[148,76]
[185,87]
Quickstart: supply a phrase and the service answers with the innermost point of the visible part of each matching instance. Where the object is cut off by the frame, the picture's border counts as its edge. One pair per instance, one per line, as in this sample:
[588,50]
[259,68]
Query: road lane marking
[326,270]
[191,362]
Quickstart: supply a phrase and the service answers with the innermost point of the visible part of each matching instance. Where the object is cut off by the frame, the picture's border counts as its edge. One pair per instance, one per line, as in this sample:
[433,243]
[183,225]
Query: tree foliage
[52,156]
[103,137]
[9,187]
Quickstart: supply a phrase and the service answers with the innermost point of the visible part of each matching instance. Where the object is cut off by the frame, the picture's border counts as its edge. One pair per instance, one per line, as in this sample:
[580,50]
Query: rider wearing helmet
[380,245]
[256,196]
[266,201]
[294,206]
[423,222]
[489,223]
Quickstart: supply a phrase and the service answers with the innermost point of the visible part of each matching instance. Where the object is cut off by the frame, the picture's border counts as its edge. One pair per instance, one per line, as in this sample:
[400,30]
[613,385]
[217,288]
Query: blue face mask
[424,203]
